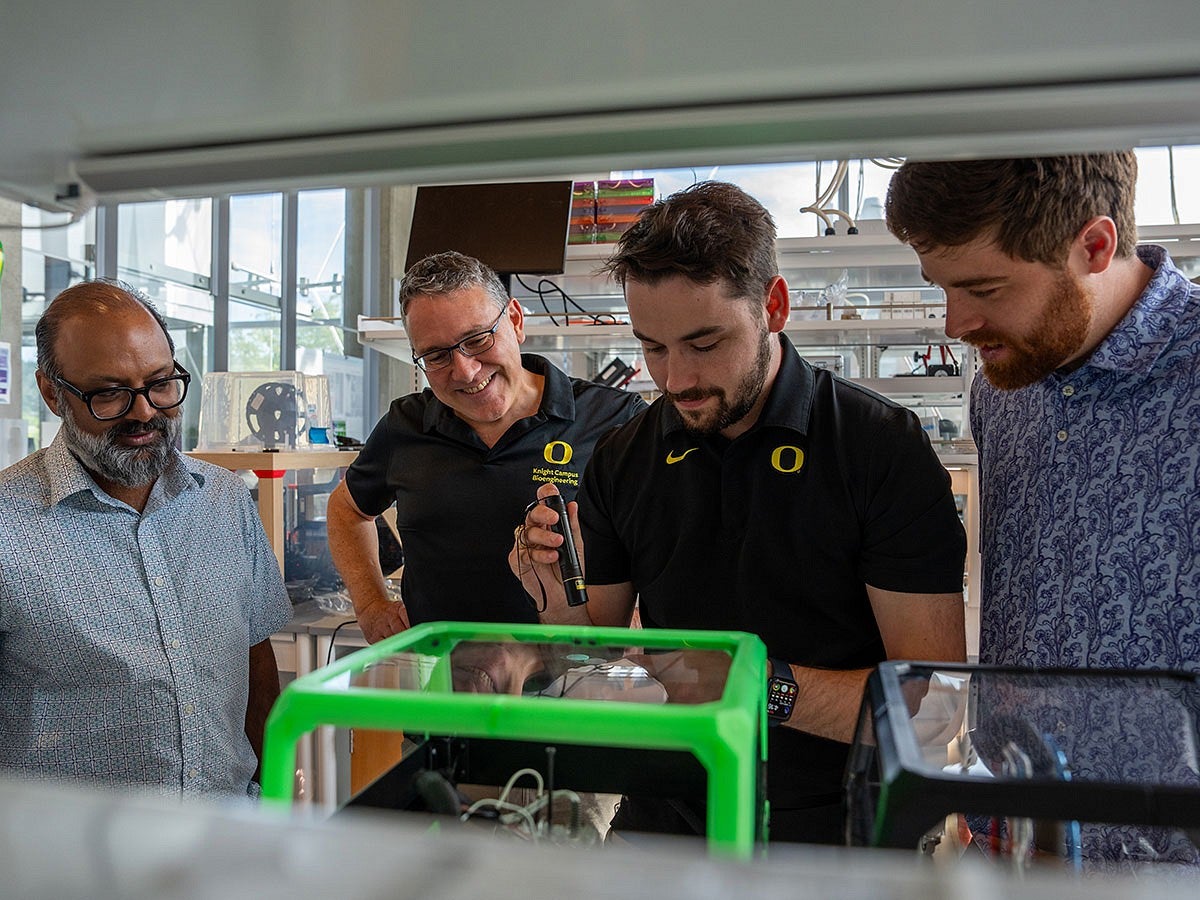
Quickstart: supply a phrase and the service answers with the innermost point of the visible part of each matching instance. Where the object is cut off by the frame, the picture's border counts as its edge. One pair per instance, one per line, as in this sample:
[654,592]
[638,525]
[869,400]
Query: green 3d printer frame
[726,736]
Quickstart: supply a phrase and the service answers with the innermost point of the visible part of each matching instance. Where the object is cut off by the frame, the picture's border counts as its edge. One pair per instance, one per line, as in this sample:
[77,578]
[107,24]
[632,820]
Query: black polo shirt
[458,501]
[777,532]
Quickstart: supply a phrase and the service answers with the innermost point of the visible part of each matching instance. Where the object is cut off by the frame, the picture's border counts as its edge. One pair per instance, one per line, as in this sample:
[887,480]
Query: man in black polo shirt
[758,494]
[463,458]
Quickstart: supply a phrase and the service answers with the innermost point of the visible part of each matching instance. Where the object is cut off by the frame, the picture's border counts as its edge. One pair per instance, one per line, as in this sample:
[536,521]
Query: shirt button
[175,643]
[1062,435]
[192,773]
[159,581]
[1068,390]
[188,709]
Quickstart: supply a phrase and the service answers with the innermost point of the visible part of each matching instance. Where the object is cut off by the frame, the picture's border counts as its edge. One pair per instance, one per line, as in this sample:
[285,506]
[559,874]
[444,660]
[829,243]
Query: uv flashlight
[568,558]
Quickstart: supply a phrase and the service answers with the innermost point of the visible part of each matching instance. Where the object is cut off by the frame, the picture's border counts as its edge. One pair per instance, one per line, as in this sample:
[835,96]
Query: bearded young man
[138,591]
[1087,419]
[757,494]
[1086,411]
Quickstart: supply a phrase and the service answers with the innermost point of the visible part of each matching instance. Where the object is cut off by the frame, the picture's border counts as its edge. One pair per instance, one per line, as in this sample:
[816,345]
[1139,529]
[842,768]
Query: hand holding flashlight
[568,558]
[536,556]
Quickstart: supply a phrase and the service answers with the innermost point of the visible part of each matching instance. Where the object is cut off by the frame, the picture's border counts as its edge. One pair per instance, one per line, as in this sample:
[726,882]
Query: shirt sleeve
[367,478]
[913,540]
[269,606]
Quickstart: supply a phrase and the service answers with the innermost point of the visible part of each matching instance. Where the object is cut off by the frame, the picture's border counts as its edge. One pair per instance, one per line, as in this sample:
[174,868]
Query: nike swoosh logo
[672,458]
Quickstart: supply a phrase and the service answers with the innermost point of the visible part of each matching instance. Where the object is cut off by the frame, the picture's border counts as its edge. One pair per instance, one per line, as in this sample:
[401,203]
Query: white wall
[86,79]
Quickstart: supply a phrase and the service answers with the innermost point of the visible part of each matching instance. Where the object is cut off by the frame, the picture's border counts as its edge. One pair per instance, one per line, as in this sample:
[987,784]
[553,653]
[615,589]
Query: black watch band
[781,692]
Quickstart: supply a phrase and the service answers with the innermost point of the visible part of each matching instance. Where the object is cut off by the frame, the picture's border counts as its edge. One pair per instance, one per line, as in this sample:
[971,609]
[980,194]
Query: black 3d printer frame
[906,803]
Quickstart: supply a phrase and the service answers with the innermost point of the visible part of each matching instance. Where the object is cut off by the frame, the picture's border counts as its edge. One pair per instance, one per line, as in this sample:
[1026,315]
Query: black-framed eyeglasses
[114,402]
[472,345]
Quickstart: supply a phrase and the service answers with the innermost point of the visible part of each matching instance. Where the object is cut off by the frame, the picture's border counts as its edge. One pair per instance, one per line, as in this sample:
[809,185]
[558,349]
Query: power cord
[511,814]
[532,568]
[333,638]
[545,285]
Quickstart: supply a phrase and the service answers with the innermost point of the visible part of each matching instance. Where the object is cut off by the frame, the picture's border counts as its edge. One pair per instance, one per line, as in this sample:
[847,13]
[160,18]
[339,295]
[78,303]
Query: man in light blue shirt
[138,591]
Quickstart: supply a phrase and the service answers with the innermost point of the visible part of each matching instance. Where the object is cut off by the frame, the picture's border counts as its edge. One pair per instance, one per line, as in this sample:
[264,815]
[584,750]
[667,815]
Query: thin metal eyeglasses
[114,402]
[472,345]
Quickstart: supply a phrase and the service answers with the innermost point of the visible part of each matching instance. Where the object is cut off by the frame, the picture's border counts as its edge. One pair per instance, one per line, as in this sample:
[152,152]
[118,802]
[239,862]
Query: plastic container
[264,411]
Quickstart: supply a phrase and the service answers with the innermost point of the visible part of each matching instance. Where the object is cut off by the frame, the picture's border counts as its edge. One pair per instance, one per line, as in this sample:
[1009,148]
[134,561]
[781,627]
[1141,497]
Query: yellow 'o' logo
[558,452]
[787,459]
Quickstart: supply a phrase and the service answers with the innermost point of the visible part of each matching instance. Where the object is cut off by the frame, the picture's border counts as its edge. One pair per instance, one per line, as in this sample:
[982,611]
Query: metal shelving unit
[893,309]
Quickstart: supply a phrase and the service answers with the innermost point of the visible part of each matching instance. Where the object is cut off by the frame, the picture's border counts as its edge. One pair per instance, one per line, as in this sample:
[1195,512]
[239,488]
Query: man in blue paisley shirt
[1087,412]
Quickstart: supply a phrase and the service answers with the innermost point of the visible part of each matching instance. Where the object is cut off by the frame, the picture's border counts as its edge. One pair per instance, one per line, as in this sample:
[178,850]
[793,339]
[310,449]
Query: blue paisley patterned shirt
[1091,497]
[125,638]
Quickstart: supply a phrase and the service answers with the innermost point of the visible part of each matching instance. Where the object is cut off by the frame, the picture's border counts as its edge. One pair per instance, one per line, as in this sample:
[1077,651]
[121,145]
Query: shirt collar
[788,404]
[1147,329]
[68,478]
[558,398]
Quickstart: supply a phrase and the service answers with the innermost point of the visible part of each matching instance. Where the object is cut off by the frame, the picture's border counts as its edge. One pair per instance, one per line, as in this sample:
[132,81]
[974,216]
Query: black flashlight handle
[568,557]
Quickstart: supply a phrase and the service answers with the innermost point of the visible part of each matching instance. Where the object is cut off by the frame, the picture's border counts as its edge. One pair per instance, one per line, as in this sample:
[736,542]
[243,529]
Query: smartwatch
[781,692]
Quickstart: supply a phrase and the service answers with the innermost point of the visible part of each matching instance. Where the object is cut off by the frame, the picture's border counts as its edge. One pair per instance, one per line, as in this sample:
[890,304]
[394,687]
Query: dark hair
[101,294]
[1034,206]
[444,273]
[711,231]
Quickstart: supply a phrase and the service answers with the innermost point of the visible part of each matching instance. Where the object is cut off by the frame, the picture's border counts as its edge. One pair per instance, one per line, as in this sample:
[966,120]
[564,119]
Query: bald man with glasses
[138,591]
[462,459]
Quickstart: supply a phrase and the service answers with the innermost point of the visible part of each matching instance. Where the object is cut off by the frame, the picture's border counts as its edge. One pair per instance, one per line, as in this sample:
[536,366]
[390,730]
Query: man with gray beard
[138,591]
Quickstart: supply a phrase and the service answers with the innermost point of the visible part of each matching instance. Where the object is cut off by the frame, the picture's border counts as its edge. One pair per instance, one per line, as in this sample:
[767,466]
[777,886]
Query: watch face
[781,697]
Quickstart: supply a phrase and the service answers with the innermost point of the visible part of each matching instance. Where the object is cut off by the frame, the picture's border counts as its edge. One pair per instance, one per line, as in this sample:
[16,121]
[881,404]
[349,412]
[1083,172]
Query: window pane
[786,188]
[254,338]
[189,315]
[255,262]
[1161,173]
[52,259]
[325,322]
[1187,183]
[168,241]
[164,249]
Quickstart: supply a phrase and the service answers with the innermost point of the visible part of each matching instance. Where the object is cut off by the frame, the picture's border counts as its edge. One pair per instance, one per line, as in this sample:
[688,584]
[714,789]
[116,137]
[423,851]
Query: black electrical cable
[532,567]
[545,285]
[333,638]
[540,296]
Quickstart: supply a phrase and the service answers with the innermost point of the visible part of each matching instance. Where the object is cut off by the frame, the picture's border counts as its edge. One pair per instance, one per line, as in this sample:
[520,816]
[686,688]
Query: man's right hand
[354,546]
[382,619]
[534,554]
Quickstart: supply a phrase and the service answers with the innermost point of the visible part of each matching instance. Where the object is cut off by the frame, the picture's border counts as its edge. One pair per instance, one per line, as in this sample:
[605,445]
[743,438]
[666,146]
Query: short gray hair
[445,273]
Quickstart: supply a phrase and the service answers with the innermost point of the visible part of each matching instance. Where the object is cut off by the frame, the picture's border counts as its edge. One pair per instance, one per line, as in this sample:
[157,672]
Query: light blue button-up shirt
[125,638]
[1091,497]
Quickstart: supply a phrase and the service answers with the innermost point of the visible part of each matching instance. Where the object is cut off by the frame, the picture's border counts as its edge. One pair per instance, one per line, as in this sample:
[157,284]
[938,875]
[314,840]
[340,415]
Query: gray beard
[130,467]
